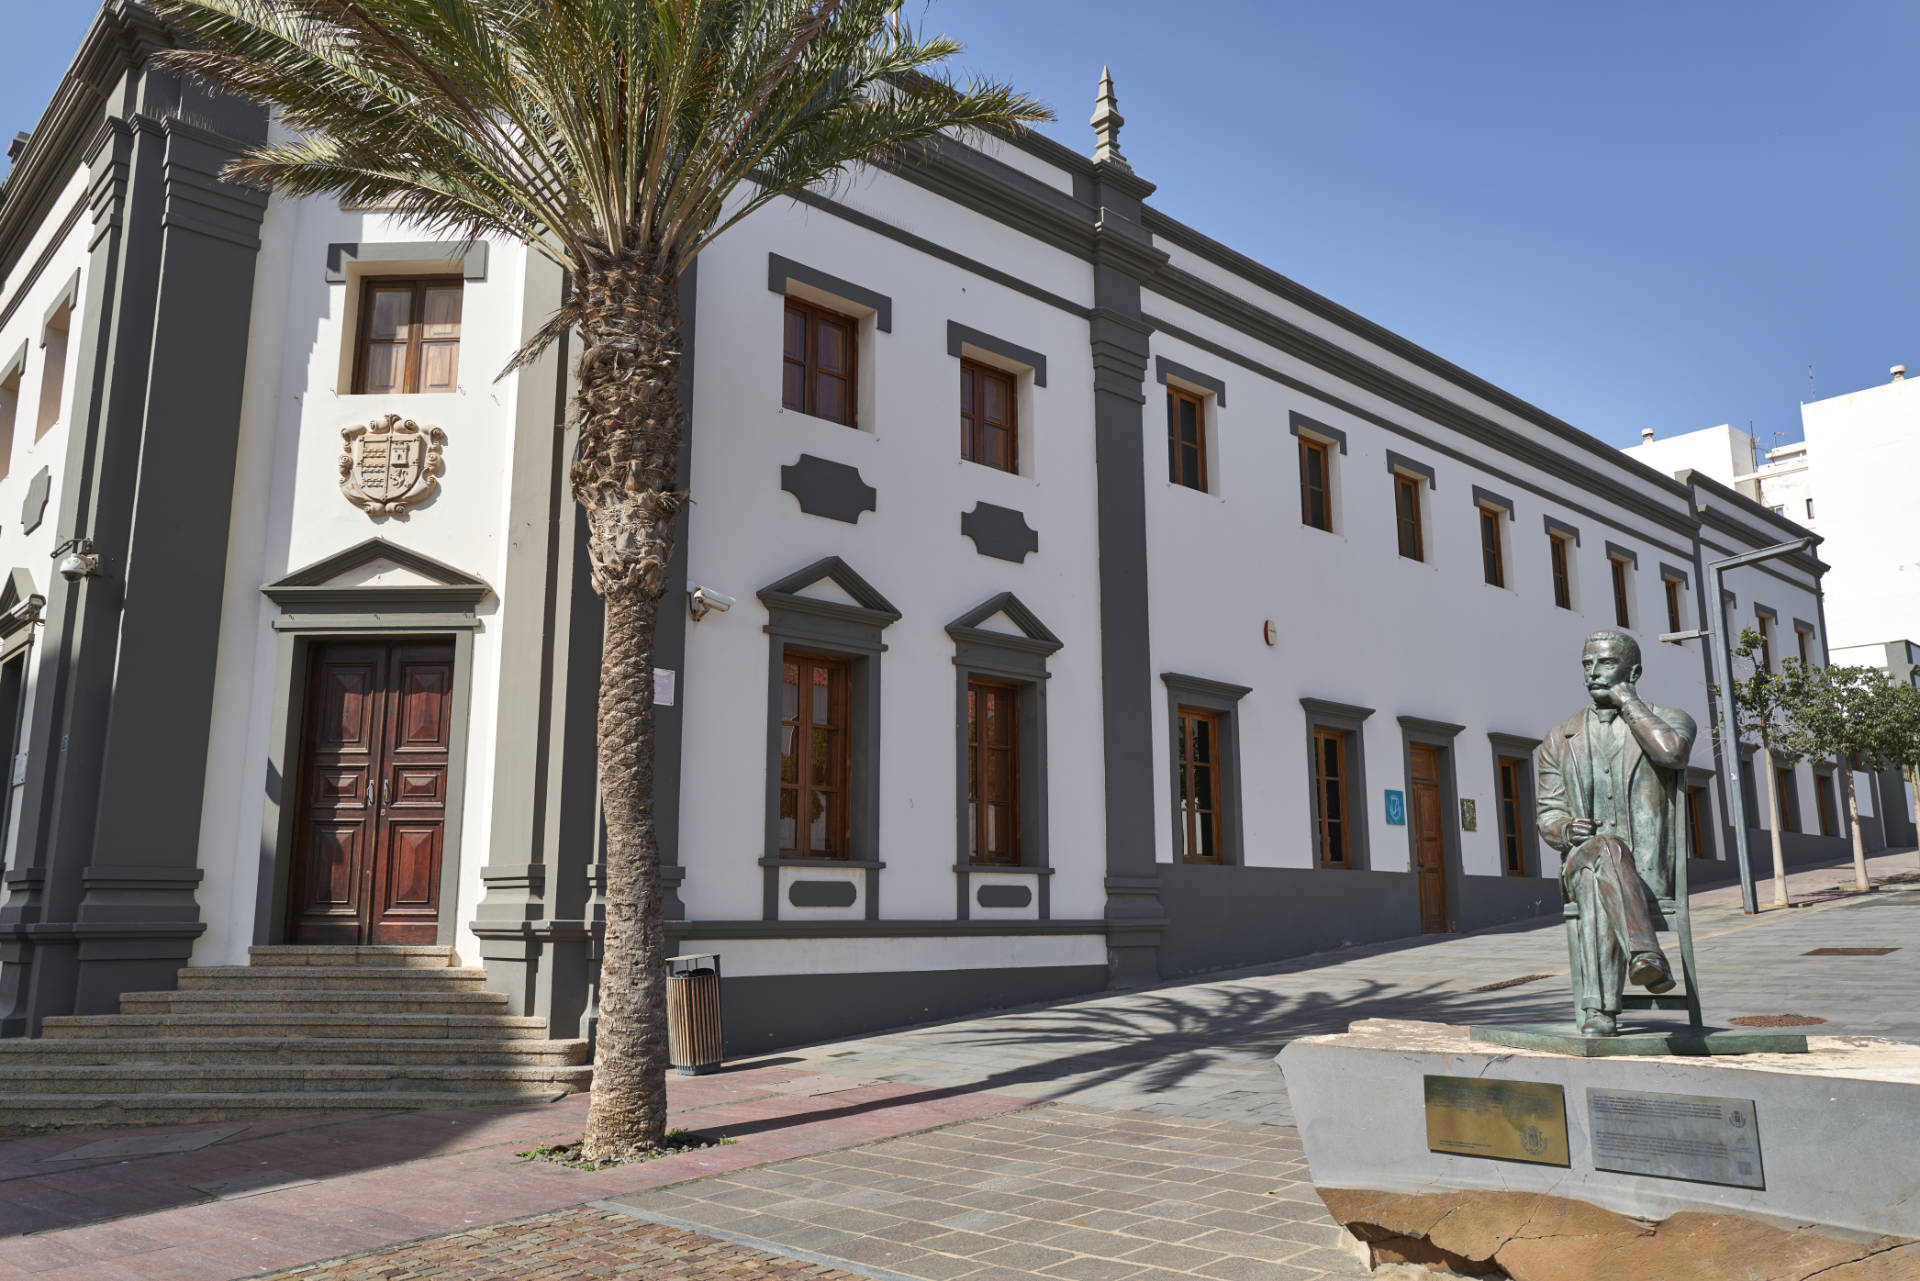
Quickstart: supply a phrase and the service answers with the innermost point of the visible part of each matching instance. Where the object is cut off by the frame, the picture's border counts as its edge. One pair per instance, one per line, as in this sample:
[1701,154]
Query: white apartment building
[1140,610]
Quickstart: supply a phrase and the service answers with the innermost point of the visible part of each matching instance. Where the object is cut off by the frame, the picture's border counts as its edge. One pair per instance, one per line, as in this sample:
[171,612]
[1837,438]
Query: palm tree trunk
[1773,828]
[629,410]
[1861,881]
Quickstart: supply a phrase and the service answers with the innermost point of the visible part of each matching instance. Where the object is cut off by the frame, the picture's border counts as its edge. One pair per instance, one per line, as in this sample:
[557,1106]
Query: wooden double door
[370,827]
[1427,812]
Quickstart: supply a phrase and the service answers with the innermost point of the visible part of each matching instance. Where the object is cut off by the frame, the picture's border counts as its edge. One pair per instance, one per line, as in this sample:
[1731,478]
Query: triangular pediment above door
[379,572]
[1001,619]
[829,586]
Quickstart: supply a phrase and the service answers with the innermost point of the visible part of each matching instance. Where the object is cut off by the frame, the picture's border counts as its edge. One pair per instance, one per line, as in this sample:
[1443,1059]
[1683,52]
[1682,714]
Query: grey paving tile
[1092,1270]
[1025,1255]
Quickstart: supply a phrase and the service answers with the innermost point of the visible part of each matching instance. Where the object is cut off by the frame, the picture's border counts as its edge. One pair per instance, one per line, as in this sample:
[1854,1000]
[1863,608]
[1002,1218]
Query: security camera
[702,601]
[77,560]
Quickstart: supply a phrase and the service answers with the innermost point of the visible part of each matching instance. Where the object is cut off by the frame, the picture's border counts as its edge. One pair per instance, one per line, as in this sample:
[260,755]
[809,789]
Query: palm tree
[619,138]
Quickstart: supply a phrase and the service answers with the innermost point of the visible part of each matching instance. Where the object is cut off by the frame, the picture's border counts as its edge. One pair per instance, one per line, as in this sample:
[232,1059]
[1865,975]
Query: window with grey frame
[1000,719]
[1204,742]
[20,608]
[840,639]
[1337,783]
[1515,802]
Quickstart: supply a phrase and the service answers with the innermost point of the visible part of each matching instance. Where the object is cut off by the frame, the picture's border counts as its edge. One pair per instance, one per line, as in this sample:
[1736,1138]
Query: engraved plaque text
[1507,1120]
[1676,1136]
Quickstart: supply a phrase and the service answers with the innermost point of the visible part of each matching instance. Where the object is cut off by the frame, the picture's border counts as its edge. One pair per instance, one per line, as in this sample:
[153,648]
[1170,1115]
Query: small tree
[1763,707]
[1903,732]
[1853,713]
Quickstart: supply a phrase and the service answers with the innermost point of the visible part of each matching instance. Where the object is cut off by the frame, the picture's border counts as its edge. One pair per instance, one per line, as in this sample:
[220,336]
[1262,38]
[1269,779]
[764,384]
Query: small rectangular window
[820,363]
[993,773]
[1789,799]
[1512,797]
[1406,511]
[1186,439]
[1619,570]
[1800,634]
[409,336]
[815,758]
[1673,604]
[1696,806]
[1562,583]
[53,368]
[1766,642]
[1330,790]
[1823,802]
[1316,493]
[9,415]
[1199,765]
[989,431]
[1492,563]
[1809,509]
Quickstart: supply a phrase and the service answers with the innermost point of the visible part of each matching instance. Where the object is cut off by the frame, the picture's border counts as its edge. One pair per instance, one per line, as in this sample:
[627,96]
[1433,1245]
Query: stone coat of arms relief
[391,465]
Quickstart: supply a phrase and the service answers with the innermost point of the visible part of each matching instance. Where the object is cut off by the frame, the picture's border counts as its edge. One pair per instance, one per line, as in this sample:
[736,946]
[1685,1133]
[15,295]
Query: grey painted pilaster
[108,903]
[1123,257]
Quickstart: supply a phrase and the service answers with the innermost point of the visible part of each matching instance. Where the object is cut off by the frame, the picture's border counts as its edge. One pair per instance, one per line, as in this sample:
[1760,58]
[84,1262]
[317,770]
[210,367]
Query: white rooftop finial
[1106,123]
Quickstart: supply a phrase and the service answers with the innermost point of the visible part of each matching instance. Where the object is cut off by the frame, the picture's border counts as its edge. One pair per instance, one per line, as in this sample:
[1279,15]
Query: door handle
[386,794]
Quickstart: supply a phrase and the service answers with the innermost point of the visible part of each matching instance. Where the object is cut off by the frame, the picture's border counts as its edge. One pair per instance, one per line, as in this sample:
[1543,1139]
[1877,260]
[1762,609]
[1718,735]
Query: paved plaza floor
[1138,1136]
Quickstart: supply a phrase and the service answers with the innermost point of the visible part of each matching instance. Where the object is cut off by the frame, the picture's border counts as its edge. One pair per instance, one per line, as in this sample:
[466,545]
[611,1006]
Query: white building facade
[1107,606]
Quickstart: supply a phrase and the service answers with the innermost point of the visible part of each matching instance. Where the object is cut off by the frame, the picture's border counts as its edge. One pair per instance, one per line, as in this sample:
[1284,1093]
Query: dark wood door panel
[373,793]
[1429,847]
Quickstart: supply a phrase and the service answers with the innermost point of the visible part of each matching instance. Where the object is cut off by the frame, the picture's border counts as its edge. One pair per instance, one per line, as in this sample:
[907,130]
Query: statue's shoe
[1599,1023]
[1650,970]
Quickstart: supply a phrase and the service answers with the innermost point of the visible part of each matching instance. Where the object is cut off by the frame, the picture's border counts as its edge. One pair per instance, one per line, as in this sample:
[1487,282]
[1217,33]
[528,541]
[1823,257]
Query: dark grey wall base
[771,1012]
[1501,900]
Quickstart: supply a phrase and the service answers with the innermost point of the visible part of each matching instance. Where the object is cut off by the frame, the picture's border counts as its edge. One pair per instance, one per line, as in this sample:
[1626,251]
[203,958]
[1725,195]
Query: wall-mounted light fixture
[75,559]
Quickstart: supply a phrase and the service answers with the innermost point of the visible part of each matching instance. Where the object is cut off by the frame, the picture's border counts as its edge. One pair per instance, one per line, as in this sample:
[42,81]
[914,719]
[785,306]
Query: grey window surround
[838,630]
[1674,573]
[1299,424]
[1439,734]
[469,256]
[1729,599]
[1019,661]
[1616,552]
[20,610]
[1487,498]
[312,612]
[69,297]
[1562,528]
[15,364]
[1202,694]
[1163,369]
[781,270]
[959,335]
[1325,714]
[1519,747]
[1802,625]
[1399,464]
[1765,611]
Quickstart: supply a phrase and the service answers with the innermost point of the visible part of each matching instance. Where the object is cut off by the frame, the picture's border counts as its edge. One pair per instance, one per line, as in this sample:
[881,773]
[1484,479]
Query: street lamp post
[1722,647]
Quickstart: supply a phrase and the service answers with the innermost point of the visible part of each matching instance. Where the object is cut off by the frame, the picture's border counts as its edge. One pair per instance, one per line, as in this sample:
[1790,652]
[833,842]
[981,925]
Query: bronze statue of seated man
[1611,800]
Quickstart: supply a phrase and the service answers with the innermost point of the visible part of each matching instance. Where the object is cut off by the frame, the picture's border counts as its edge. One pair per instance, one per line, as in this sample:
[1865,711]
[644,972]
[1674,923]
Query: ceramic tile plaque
[1504,1120]
[1697,1137]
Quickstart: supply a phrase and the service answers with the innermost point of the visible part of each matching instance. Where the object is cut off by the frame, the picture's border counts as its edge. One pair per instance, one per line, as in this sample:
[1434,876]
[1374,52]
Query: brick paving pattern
[586,1243]
[1059,1191]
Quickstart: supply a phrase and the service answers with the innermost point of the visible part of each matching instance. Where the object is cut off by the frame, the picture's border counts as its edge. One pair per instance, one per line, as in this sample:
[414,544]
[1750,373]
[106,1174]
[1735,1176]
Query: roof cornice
[122,36]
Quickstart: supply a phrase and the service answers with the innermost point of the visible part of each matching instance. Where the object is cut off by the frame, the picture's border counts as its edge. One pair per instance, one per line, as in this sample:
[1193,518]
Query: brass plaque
[1505,1120]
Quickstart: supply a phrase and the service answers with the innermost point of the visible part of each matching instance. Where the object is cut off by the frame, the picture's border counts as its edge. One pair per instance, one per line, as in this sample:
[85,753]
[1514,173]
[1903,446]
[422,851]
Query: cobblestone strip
[1060,1191]
[572,1245]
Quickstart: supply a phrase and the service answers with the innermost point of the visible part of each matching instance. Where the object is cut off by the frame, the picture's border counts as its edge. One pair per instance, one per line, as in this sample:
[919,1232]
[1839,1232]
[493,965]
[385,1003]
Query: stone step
[149,1080]
[333,1051]
[409,957]
[359,978]
[312,1001]
[213,1023]
[40,1113]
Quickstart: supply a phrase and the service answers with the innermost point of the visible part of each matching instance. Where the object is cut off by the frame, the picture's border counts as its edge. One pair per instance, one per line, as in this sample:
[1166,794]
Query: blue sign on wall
[1396,808]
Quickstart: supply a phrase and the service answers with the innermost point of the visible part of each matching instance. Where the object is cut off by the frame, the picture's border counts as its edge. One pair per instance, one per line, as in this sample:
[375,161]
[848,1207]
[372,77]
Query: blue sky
[1634,215]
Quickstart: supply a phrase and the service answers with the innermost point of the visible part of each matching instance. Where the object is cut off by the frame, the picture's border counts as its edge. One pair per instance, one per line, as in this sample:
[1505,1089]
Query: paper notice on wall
[1863,793]
[663,682]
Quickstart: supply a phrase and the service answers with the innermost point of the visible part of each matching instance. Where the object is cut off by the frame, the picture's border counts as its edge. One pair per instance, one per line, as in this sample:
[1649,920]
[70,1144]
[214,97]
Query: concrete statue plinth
[1433,1148]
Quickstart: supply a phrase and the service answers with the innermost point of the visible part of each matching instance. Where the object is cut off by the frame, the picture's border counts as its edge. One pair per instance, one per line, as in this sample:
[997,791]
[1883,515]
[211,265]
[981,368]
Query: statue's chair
[1671,914]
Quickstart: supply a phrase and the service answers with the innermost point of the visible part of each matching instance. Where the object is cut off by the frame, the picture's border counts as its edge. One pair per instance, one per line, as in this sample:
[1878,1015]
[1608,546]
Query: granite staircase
[300,1029]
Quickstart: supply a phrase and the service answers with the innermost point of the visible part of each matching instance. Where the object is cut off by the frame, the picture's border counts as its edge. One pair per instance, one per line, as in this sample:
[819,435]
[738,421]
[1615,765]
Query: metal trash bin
[693,1013]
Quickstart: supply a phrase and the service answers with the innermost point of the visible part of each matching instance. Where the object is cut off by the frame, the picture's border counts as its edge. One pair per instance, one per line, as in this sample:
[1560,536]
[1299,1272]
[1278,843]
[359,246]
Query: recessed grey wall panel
[1004,896]
[34,509]
[1000,532]
[822,893]
[829,489]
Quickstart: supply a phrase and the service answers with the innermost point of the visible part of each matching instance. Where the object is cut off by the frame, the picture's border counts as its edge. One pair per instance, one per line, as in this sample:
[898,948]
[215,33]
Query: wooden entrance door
[371,823]
[1427,815]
